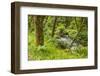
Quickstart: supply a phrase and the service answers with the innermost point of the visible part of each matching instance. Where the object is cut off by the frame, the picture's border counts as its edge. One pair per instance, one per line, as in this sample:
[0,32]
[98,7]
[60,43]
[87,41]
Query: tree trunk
[54,25]
[39,30]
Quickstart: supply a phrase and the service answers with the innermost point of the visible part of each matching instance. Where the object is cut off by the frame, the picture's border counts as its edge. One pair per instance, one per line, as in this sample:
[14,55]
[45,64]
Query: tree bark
[54,25]
[38,21]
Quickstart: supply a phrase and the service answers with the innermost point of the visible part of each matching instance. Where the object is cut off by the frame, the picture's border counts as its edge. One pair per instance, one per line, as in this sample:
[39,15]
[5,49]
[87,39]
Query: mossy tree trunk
[54,26]
[38,22]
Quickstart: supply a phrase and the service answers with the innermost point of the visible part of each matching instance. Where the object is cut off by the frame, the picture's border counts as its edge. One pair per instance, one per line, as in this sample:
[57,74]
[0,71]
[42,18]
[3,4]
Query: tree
[54,25]
[38,22]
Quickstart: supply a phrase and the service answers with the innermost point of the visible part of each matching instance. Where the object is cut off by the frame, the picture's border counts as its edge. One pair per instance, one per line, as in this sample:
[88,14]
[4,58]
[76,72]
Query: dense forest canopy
[57,37]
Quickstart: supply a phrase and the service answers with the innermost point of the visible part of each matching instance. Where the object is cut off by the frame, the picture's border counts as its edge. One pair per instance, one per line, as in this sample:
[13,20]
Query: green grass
[50,52]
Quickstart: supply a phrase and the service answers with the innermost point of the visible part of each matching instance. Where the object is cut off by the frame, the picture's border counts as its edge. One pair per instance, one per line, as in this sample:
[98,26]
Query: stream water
[66,41]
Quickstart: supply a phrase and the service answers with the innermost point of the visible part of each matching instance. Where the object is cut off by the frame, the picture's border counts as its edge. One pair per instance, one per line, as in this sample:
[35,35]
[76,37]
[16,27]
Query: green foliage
[75,28]
[30,23]
[72,33]
[81,51]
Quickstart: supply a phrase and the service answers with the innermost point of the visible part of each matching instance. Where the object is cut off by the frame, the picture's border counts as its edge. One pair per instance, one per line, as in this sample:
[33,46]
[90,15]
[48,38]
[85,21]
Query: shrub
[42,48]
[81,51]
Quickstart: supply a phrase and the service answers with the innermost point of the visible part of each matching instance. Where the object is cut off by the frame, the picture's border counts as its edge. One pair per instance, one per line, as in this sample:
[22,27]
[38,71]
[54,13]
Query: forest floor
[50,52]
